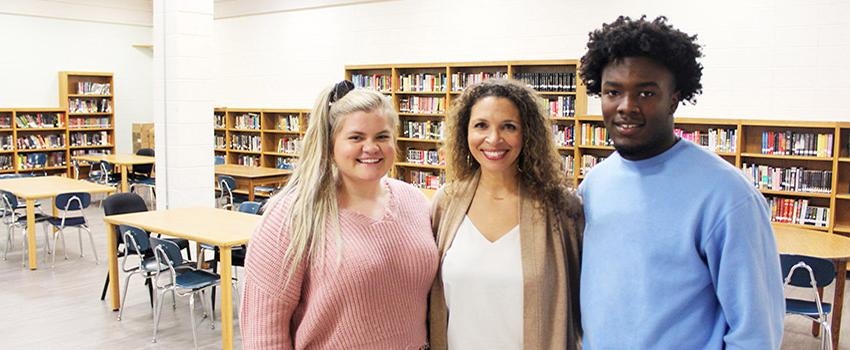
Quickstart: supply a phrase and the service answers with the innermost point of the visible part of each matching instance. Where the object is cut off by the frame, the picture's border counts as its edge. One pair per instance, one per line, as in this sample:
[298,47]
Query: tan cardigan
[550,248]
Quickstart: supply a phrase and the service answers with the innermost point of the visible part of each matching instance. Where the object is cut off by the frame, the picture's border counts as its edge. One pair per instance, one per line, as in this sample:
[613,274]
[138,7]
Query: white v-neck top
[482,282]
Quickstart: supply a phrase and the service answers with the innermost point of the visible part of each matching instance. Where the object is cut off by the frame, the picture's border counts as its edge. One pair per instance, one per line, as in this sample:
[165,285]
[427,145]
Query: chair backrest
[123,203]
[166,249]
[823,270]
[9,200]
[135,238]
[144,169]
[249,207]
[226,183]
[73,201]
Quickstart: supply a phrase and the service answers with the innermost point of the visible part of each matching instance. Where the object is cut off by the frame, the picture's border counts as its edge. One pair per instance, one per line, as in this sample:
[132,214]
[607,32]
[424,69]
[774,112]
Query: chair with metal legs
[136,243]
[69,204]
[13,219]
[181,278]
[813,273]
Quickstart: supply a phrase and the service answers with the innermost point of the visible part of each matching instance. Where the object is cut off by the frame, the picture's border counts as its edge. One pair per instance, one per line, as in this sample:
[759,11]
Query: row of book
[285,163]
[6,162]
[595,135]
[562,107]
[220,141]
[90,139]
[245,142]
[92,88]
[219,121]
[288,123]
[39,160]
[40,120]
[77,122]
[568,165]
[248,160]
[422,82]
[796,143]
[461,81]
[427,130]
[796,179]
[80,105]
[292,145]
[549,82]
[377,82]
[422,104]
[564,135]
[797,211]
[588,161]
[40,141]
[5,121]
[423,178]
[425,156]
[83,152]
[715,140]
[7,143]
[247,121]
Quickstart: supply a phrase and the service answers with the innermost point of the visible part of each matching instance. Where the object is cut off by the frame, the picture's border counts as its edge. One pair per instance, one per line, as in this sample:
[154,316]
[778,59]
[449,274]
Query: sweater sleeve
[268,299]
[742,257]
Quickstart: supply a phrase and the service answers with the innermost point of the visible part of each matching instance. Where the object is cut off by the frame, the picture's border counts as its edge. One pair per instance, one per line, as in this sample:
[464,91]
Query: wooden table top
[120,159]
[49,186]
[801,241]
[249,171]
[206,225]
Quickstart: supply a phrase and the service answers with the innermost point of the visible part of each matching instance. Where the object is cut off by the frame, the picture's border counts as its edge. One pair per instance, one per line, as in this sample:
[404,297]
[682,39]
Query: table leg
[226,299]
[124,187]
[112,259]
[251,190]
[838,300]
[31,235]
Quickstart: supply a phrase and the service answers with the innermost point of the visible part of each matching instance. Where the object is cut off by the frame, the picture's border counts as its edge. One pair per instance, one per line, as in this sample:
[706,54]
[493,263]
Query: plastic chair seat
[196,279]
[805,307]
[69,221]
[144,181]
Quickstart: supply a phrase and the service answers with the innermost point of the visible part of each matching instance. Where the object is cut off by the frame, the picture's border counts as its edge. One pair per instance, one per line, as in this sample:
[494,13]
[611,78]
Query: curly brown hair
[538,161]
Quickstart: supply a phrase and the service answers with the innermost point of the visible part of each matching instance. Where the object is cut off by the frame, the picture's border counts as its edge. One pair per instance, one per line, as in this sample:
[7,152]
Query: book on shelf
[92,88]
[7,142]
[715,140]
[426,130]
[377,82]
[39,120]
[562,106]
[285,163]
[6,121]
[248,160]
[588,161]
[6,162]
[424,179]
[84,152]
[288,123]
[219,121]
[422,104]
[220,141]
[246,142]
[568,165]
[292,145]
[564,135]
[77,122]
[247,121]
[796,143]
[797,211]
[28,161]
[425,156]
[29,142]
[422,82]
[462,80]
[549,82]
[595,135]
[97,138]
[90,105]
[794,179]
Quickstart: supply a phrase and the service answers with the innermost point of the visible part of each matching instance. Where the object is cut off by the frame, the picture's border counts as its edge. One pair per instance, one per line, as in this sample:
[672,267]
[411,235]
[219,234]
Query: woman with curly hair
[508,229]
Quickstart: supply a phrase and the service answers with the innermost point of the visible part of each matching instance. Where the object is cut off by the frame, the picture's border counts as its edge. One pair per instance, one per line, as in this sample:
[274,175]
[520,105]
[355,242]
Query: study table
[123,161]
[39,187]
[802,241]
[252,176]
[218,227]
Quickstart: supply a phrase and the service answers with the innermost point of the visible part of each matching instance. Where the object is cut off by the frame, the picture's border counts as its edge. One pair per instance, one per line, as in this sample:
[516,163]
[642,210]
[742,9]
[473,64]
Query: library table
[218,227]
[40,187]
[252,176]
[123,161]
[801,241]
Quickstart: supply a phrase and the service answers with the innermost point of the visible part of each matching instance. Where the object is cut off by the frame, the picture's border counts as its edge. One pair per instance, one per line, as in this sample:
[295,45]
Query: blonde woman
[508,229]
[344,257]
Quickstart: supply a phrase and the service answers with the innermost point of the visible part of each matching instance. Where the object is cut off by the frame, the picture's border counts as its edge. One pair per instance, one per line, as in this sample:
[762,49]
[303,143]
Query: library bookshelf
[88,99]
[33,140]
[258,137]
[422,94]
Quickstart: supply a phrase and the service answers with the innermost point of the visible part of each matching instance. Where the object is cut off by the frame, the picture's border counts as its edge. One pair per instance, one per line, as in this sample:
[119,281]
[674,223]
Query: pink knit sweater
[374,298]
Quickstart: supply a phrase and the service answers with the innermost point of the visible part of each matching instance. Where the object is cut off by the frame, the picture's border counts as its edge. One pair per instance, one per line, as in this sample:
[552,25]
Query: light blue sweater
[678,254]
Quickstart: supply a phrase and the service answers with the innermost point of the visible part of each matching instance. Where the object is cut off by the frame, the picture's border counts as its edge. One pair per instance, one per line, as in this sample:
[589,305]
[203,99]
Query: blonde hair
[314,180]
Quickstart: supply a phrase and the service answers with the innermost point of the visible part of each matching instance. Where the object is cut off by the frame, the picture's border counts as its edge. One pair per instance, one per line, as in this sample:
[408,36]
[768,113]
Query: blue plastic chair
[183,280]
[68,204]
[140,176]
[226,185]
[809,272]
[14,219]
[137,243]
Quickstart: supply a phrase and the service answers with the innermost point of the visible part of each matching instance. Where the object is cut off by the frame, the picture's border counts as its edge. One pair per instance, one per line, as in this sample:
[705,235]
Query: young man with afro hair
[678,250]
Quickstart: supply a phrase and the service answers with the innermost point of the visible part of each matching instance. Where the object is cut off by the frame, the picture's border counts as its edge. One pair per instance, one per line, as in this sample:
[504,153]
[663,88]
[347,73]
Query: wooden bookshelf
[422,94]
[88,99]
[259,137]
[37,133]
